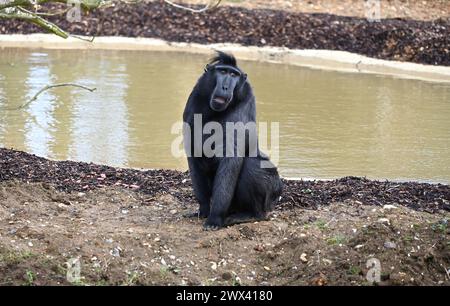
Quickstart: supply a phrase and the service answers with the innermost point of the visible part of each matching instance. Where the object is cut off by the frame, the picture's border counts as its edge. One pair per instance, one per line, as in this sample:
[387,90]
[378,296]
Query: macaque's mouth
[219,100]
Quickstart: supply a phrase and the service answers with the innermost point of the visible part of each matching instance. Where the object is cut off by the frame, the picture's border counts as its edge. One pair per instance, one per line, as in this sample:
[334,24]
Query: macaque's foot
[210,227]
[213,224]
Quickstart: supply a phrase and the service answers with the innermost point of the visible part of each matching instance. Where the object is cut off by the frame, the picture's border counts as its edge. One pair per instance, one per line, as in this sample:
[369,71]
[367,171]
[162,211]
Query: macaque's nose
[226,84]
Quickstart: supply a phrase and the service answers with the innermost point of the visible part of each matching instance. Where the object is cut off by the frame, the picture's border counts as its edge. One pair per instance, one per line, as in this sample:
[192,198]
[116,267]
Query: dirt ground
[412,9]
[126,227]
[124,237]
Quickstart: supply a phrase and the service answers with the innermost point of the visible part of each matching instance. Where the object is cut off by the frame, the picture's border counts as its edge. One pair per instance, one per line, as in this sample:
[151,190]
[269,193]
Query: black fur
[223,58]
[229,189]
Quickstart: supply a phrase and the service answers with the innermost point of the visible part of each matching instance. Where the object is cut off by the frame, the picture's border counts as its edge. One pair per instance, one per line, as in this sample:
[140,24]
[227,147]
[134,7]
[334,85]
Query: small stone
[384,221]
[30,244]
[173,211]
[319,281]
[213,265]
[266,268]
[281,226]
[115,252]
[226,276]
[124,211]
[303,257]
[259,247]
[390,245]
[388,207]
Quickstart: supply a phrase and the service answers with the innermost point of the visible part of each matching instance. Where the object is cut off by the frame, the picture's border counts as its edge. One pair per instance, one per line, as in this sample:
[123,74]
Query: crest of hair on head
[223,59]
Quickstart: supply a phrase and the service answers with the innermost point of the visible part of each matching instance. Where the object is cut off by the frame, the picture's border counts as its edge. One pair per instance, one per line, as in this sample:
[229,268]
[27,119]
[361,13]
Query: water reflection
[331,124]
[38,125]
[100,125]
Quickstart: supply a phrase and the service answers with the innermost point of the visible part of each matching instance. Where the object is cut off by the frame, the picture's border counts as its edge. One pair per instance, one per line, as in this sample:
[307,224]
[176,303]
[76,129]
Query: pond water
[331,124]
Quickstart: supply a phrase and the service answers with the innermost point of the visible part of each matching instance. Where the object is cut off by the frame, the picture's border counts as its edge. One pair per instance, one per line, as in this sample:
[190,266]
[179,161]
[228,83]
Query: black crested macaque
[229,188]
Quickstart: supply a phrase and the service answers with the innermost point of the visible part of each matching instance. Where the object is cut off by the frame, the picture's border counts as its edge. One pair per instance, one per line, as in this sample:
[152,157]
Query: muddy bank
[124,237]
[424,42]
[126,227]
[72,176]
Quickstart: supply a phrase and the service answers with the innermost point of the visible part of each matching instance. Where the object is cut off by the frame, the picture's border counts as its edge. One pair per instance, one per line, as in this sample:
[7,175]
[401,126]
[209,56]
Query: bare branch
[16,9]
[27,3]
[205,8]
[23,9]
[20,13]
[82,38]
[47,87]
[52,14]
[13,3]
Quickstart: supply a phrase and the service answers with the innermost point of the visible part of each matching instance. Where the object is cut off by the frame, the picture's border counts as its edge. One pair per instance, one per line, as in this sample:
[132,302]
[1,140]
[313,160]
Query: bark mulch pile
[78,176]
[426,42]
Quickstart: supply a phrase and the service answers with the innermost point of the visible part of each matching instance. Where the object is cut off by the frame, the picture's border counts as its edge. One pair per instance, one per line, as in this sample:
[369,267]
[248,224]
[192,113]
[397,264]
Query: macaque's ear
[243,81]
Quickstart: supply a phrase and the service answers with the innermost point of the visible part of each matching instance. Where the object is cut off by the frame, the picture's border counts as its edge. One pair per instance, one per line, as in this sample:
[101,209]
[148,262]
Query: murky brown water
[331,124]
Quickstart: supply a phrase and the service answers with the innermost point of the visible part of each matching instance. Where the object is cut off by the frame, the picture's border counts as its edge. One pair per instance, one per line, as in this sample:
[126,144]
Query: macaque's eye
[222,71]
[232,74]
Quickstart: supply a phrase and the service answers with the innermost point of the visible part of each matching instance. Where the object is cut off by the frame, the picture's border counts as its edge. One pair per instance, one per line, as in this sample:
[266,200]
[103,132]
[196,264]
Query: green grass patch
[338,239]
[321,224]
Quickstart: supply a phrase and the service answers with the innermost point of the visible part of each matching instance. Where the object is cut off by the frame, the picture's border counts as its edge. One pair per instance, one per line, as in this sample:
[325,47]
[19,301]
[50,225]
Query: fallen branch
[53,14]
[19,9]
[47,87]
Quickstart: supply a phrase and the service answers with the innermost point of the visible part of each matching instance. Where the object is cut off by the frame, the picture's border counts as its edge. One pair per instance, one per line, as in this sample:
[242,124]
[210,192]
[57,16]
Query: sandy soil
[412,9]
[125,237]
